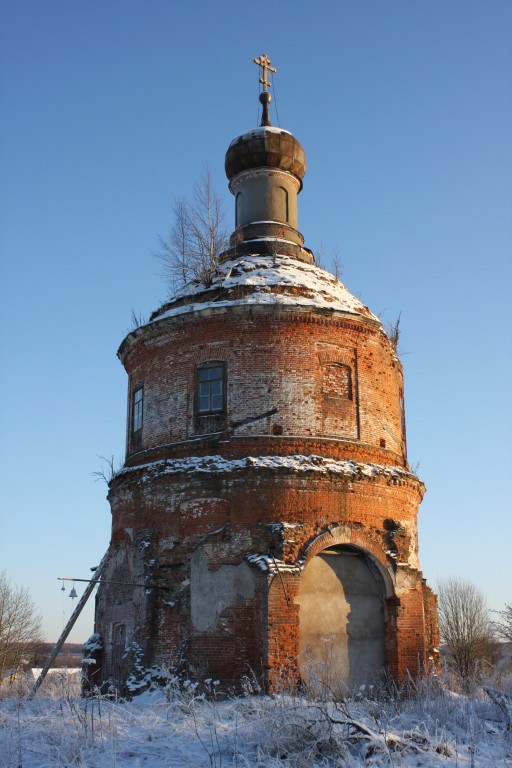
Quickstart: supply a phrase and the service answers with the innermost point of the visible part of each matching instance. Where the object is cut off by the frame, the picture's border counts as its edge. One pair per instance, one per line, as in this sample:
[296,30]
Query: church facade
[265,521]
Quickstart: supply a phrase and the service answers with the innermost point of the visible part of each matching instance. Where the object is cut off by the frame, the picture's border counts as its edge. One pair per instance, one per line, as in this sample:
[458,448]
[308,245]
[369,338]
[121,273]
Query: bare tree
[197,236]
[109,468]
[503,626]
[465,628]
[20,625]
[337,266]
[393,331]
[333,258]
[320,256]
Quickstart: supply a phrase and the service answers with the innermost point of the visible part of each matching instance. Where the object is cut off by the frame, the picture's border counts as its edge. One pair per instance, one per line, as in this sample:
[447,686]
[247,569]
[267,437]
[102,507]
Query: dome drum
[264,196]
[267,233]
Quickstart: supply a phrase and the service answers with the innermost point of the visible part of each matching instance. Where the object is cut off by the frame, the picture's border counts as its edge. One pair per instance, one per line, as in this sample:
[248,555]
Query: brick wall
[279,362]
[300,383]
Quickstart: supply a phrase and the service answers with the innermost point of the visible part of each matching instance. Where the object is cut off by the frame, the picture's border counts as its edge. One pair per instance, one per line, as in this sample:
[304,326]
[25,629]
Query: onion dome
[266,147]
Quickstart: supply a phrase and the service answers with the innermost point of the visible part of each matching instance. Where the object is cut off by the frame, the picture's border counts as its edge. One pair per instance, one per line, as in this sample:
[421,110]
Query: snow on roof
[267,280]
[294,463]
[261,131]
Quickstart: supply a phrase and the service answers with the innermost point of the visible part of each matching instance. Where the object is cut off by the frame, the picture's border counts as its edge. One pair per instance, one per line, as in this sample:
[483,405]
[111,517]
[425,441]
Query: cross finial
[265,98]
[264,62]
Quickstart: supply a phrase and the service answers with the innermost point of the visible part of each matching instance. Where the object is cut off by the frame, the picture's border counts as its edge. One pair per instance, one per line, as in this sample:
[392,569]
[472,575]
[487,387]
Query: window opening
[137,409]
[211,387]
[284,198]
[402,414]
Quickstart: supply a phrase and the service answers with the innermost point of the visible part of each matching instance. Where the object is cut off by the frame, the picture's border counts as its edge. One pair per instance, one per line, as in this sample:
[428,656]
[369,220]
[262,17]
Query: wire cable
[275,100]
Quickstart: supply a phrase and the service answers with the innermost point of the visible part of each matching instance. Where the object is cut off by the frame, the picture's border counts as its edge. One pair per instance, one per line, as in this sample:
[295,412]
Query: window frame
[211,411]
[137,410]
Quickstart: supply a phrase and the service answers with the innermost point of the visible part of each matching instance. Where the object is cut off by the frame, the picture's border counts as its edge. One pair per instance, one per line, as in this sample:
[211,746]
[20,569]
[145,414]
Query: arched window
[281,210]
[284,193]
[238,209]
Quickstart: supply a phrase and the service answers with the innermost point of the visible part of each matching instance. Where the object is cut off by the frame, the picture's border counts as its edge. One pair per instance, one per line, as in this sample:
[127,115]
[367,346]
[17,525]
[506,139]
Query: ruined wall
[229,540]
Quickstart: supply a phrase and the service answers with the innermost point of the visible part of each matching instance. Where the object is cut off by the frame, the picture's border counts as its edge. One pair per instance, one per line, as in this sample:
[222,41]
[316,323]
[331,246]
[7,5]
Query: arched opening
[118,652]
[341,621]
[238,209]
[280,210]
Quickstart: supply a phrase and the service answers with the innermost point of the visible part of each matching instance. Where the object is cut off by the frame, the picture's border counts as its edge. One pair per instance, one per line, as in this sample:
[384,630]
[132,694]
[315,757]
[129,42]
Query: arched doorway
[118,652]
[341,621]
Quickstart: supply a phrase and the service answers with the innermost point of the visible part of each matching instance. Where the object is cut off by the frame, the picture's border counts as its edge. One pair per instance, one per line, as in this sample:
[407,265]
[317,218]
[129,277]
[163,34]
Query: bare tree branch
[465,628]
[336,263]
[107,471]
[503,626]
[320,256]
[197,237]
[393,331]
[20,625]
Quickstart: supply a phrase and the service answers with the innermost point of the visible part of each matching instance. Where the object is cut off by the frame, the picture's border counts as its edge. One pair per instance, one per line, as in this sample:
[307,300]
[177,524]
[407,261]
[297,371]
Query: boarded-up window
[337,401]
[337,381]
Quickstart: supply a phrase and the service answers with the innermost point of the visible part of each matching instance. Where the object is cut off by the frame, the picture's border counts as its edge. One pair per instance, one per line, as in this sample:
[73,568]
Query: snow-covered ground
[184,728]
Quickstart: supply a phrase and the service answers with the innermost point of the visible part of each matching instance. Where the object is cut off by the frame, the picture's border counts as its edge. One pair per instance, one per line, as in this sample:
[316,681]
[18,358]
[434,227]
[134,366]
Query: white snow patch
[271,564]
[94,643]
[294,463]
[279,280]
[254,133]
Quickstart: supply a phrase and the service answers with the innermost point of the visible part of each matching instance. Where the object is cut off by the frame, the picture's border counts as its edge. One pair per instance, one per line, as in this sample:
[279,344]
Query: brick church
[265,521]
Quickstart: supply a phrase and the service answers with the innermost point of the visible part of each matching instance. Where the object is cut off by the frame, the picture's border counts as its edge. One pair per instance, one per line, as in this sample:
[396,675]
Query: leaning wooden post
[69,626]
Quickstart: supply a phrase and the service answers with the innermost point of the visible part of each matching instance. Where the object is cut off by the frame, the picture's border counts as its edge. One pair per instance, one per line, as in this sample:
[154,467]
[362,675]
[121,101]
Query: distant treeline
[70,655]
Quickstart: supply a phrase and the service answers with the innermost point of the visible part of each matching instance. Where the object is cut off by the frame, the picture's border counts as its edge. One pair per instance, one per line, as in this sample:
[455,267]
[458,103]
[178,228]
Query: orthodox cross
[264,62]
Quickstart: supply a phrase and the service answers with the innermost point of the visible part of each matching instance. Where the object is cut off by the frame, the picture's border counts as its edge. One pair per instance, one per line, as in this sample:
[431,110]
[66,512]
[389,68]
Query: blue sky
[112,109]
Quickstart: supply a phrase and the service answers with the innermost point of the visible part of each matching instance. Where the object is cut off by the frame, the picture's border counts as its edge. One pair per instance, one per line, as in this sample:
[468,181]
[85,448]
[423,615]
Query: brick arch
[359,540]
[355,539]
